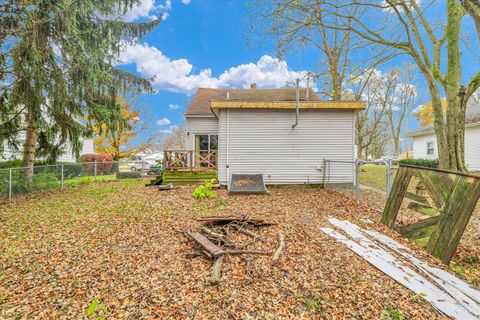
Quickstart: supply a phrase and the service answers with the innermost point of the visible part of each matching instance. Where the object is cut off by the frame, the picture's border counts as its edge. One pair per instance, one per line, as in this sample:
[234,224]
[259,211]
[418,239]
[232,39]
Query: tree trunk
[359,151]
[455,104]
[30,145]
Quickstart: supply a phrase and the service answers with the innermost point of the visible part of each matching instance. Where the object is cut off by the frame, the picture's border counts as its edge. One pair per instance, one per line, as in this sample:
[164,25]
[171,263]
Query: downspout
[228,149]
[297,101]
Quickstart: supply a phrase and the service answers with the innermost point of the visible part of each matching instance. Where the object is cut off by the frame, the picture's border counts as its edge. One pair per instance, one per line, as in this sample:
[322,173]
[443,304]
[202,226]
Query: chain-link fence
[360,178]
[20,181]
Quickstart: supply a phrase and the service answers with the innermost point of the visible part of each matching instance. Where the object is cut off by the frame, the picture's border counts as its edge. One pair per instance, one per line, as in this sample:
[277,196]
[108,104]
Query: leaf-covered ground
[114,249]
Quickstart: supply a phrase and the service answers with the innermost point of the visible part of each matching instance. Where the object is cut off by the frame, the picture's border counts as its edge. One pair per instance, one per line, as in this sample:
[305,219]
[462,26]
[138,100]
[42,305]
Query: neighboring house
[153,157]
[425,143]
[67,156]
[252,131]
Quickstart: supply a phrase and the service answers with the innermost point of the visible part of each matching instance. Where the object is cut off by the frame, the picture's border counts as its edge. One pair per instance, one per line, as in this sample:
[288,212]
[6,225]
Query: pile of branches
[215,239]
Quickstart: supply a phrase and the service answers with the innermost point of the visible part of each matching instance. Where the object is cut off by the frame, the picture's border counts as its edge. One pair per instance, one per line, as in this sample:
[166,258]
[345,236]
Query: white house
[155,157]
[425,143]
[257,131]
[68,156]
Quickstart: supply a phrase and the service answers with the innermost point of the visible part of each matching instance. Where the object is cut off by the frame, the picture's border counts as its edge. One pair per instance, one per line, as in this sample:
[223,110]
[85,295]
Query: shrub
[72,170]
[18,163]
[128,175]
[104,163]
[420,162]
[45,181]
[205,191]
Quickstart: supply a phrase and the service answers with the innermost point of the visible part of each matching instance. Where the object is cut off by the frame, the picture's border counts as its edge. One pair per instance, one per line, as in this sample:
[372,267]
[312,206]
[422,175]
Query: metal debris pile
[219,236]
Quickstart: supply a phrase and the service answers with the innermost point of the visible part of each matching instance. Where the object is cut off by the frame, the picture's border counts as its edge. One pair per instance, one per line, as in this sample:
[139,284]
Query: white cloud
[178,76]
[173,106]
[144,9]
[150,10]
[169,130]
[163,122]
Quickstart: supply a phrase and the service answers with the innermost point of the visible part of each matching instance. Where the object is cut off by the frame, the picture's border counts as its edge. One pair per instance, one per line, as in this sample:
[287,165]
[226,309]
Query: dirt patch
[124,251]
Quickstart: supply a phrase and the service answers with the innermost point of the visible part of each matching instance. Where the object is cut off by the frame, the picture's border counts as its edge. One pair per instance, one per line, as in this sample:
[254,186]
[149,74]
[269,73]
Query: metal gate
[368,177]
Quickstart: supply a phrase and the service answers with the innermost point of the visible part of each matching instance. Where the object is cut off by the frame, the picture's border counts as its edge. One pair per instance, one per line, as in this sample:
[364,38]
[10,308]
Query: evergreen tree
[58,64]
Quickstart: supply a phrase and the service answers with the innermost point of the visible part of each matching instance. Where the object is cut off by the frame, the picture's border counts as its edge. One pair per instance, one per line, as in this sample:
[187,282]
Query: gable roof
[200,105]
[472,119]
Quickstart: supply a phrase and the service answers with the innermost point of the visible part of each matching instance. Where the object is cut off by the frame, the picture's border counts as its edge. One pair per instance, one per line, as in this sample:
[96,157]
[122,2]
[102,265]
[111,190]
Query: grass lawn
[373,176]
[115,249]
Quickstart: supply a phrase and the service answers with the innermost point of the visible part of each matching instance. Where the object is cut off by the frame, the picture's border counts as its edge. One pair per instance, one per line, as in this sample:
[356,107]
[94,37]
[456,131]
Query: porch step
[187,177]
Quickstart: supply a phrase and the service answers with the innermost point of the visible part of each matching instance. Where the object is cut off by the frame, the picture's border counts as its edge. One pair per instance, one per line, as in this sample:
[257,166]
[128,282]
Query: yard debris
[217,270]
[443,291]
[208,246]
[165,187]
[217,235]
[281,244]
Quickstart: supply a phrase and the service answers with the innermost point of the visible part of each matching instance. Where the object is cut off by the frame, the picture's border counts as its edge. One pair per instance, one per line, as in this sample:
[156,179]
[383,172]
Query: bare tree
[406,26]
[370,125]
[400,102]
[302,23]
[175,140]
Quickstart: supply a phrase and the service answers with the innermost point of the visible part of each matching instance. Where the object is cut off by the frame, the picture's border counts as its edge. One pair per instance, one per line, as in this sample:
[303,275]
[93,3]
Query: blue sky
[204,43]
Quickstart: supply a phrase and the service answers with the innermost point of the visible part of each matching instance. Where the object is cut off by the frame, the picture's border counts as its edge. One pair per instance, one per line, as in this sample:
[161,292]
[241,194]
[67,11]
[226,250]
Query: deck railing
[189,159]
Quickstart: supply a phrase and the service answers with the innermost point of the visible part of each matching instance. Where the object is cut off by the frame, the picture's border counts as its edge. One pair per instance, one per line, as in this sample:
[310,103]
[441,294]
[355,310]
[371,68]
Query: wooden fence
[451,196]
[189,160]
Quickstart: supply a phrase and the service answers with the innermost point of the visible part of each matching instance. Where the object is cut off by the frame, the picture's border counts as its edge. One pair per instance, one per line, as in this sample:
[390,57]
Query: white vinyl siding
[472,147]
[197,126]
[263,141]
[420,147]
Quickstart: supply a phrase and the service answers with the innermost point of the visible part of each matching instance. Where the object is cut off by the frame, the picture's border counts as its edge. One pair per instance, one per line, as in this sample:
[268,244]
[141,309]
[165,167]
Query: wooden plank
[206,244]
[437,184]
[357,105]
[423,209]
[395,198]
[422,224]
[454,219]
[416,197]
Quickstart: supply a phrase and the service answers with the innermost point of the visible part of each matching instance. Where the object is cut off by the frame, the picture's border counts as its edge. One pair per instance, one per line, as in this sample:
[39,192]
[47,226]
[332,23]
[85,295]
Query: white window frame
[432,148]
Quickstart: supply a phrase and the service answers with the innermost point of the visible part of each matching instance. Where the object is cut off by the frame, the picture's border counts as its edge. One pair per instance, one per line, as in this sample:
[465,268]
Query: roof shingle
[200,105]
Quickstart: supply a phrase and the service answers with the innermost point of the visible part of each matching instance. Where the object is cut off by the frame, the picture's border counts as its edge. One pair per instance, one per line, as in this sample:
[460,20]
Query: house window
[205,148]
[207,142]
[430,148]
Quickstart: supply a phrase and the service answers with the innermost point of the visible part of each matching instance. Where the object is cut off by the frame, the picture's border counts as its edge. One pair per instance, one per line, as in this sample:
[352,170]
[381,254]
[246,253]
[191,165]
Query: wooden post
[395,197]
[458,210]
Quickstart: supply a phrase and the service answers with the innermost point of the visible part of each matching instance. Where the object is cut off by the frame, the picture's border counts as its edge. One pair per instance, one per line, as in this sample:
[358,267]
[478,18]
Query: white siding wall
[196,126]
[263,141]
[472,147]
[420,146]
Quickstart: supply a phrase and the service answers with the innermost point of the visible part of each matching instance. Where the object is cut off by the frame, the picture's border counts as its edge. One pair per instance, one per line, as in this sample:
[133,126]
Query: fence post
[389,177]
[10,185]
[324,173]
[63,176]
[357,181]
[95,169]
